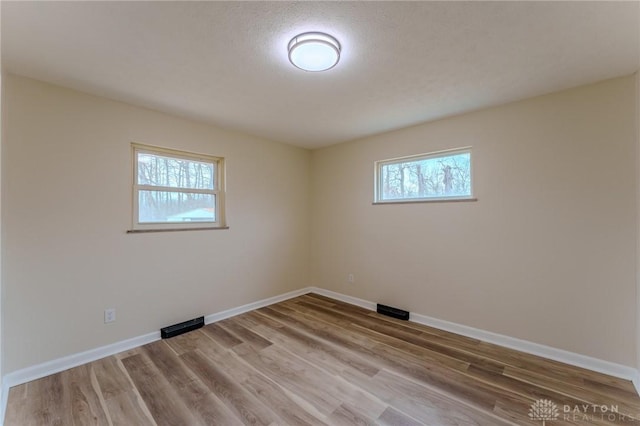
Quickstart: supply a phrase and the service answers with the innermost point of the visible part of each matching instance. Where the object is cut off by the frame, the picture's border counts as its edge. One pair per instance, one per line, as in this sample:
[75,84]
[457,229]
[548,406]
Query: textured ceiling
[402,62]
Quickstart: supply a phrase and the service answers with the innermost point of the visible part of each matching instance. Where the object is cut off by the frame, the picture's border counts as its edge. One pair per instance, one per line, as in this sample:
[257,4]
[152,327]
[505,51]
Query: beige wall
[546,254]
[67,204]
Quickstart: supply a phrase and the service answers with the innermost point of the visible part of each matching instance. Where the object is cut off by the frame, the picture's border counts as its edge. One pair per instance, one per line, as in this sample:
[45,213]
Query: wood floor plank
[124,410]
[480,393]
[422,402]
[111,379]
[20,407]
[61,397]
[625,403]
[45,401]
[511,357]
[393,417]
[414,336]
[246,407]
[187,342]
[294,376]
[329,333]
[221,335]
[317,298]
[308,346]
[624,390]
[448,343]
[86,407]
[357,344]
[383,335]
[299,376]
[312,360]
[245,334]
[191,390]
[176,373]
[121,399]
[398,331]
[346,414]
[288,407]
[164,404]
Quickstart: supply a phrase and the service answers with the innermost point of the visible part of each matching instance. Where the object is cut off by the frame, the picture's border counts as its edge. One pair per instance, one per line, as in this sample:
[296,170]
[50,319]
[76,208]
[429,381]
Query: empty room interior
[320,213]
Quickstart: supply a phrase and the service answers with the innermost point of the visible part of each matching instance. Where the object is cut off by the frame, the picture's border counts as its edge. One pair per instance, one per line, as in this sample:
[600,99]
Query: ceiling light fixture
[314,51]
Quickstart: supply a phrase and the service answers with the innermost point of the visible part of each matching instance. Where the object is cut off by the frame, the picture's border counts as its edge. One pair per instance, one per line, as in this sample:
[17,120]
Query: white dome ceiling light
[314,51]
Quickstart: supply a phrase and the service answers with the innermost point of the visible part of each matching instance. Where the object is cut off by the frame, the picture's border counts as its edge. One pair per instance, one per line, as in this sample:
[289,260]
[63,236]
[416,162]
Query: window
[444,175]
[176,190]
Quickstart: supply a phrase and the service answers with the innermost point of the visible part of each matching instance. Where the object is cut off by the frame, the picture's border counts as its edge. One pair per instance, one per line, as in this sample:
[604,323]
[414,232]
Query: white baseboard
[255,305]
[636,381]
[343,297]
[60,364]
[560,355]
[54,366]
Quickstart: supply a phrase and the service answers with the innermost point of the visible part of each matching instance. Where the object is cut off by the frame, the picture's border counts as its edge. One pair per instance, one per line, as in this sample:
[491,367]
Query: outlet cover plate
[109,315]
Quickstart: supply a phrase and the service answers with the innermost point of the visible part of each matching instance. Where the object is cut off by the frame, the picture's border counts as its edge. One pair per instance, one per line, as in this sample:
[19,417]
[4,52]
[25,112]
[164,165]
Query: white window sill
[204,228]
[435,200]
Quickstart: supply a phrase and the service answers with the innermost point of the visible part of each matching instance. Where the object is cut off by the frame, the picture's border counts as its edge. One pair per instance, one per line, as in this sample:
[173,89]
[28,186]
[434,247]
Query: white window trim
[377,195]
[219,190]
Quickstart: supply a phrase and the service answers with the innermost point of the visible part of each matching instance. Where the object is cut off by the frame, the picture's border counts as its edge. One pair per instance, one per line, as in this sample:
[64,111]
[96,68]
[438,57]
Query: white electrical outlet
[351,278]
[109,315]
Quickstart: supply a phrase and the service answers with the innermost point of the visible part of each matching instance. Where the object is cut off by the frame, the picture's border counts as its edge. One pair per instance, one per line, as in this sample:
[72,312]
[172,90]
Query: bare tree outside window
[429,176]
[173,187]
[175,206]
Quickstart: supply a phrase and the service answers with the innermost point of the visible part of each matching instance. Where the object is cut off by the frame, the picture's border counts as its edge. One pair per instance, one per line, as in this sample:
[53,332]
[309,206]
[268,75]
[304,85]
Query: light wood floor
[313,360]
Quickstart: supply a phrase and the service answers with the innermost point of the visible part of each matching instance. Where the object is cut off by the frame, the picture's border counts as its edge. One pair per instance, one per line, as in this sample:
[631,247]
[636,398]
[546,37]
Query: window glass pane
[430,177]
[173,172]
[175,207]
